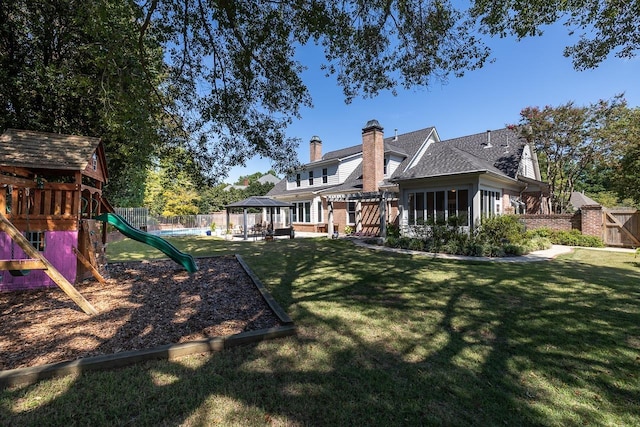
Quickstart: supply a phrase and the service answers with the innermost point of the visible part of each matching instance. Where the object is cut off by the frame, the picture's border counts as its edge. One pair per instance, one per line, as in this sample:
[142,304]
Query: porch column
[475,215]
[359,215]
[244,223]
[329,218]
[401,212]
[383,215]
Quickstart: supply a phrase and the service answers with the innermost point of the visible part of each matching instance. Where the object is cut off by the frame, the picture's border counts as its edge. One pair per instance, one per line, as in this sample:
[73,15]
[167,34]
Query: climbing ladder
[39,262]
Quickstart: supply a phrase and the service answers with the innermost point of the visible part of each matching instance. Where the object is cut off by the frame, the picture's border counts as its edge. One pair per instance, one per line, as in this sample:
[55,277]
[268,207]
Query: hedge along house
[50,188]
[411,178]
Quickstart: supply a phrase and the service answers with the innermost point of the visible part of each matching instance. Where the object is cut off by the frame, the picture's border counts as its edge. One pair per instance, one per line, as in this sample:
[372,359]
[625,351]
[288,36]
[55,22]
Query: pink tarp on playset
[57,250]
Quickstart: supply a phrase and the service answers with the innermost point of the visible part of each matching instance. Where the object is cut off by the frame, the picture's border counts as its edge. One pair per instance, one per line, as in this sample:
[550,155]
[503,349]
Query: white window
[324,175]
[351,212]
[310,177]
[428,207]
[490,202]
[301,212]
[298,180]
[319,208]
[94,161]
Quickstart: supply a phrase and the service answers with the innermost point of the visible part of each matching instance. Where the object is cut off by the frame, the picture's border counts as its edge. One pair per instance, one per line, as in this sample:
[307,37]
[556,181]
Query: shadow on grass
[391,340]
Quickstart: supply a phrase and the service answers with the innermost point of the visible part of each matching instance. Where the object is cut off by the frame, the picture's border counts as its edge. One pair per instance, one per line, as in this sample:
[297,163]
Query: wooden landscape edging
[31,375]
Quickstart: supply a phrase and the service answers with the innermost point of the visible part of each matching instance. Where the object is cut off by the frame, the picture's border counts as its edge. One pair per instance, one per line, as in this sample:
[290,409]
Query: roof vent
[506,145]
[487,144]
[395,138]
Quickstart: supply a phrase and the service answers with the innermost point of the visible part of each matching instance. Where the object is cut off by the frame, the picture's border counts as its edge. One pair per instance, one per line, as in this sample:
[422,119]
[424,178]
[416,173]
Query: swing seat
[19,273]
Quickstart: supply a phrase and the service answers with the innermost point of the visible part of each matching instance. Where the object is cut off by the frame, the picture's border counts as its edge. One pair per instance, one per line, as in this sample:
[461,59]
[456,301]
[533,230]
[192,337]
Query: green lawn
[386,340]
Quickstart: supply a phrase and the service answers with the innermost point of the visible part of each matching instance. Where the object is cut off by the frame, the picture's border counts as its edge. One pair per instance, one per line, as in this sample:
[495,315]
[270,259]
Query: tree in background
[170,189]
[627,173]
[571,141]
[73,67]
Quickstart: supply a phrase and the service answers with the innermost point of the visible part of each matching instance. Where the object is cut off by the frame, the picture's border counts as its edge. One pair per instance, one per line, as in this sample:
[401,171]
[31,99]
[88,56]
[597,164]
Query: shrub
[391,242]
[416,245]
[454,247]
[569,238]
[500,228]
[475,248]
[539,232]
[393,230]
[536,244]
[513,249]
[495,250]
[575,238]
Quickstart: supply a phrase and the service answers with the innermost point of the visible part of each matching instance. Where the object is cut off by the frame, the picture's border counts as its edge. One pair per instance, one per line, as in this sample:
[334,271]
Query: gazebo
[264,203]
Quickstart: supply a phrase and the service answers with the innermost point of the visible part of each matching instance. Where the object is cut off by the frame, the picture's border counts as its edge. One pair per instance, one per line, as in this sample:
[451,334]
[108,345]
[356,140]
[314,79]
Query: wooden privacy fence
[621,227]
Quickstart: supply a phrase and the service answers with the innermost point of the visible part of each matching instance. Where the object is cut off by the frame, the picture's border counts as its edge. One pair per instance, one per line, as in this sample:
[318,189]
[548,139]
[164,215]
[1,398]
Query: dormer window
[310,177]
[94,161]
[386,164]
[297,180]
[324,175]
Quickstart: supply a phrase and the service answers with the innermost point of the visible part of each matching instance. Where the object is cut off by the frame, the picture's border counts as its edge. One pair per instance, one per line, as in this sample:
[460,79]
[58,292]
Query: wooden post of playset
[51,271]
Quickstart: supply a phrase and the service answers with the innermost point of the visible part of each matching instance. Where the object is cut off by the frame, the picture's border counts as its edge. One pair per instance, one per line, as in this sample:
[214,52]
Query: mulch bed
[143,305]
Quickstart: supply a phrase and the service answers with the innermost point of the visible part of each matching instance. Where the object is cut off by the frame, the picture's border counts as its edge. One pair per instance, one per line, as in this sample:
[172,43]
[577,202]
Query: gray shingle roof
[43,150]
[258,202]
[407,144]
[579,200]
[469,154]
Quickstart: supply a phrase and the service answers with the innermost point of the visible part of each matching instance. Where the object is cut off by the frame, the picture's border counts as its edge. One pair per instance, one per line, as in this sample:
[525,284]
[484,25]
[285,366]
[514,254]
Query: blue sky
[532,72]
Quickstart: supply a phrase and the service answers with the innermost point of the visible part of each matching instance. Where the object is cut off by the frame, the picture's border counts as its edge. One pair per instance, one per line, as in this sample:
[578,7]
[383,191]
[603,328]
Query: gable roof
[579,200]
[405,145]
[268,178]
[476,153]
[44,150]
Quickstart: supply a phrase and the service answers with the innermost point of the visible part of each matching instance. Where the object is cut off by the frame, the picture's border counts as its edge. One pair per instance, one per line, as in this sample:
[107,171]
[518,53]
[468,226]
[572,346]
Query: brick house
[412,178]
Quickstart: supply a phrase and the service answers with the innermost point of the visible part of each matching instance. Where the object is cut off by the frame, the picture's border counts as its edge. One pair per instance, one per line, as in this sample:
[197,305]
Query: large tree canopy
[72,66]
[603,26]
[219,81]
[233,63]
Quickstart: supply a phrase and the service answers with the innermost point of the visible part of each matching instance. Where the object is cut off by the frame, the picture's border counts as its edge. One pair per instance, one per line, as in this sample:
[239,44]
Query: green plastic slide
[159,243]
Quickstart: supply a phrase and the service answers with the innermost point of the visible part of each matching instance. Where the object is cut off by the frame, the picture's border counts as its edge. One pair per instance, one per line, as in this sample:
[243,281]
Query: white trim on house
[392,162]
[527,168]
[423,148]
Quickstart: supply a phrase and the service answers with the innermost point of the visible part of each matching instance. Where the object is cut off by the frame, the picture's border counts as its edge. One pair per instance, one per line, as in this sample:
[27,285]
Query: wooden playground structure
[50,191]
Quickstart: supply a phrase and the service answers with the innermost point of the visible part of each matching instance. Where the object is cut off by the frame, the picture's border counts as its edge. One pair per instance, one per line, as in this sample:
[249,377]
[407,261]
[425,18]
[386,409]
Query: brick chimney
[315,149]
[372,156]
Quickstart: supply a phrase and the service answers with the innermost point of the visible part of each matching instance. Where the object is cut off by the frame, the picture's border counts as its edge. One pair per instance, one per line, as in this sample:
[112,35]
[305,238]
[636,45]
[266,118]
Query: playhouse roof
[43,150]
